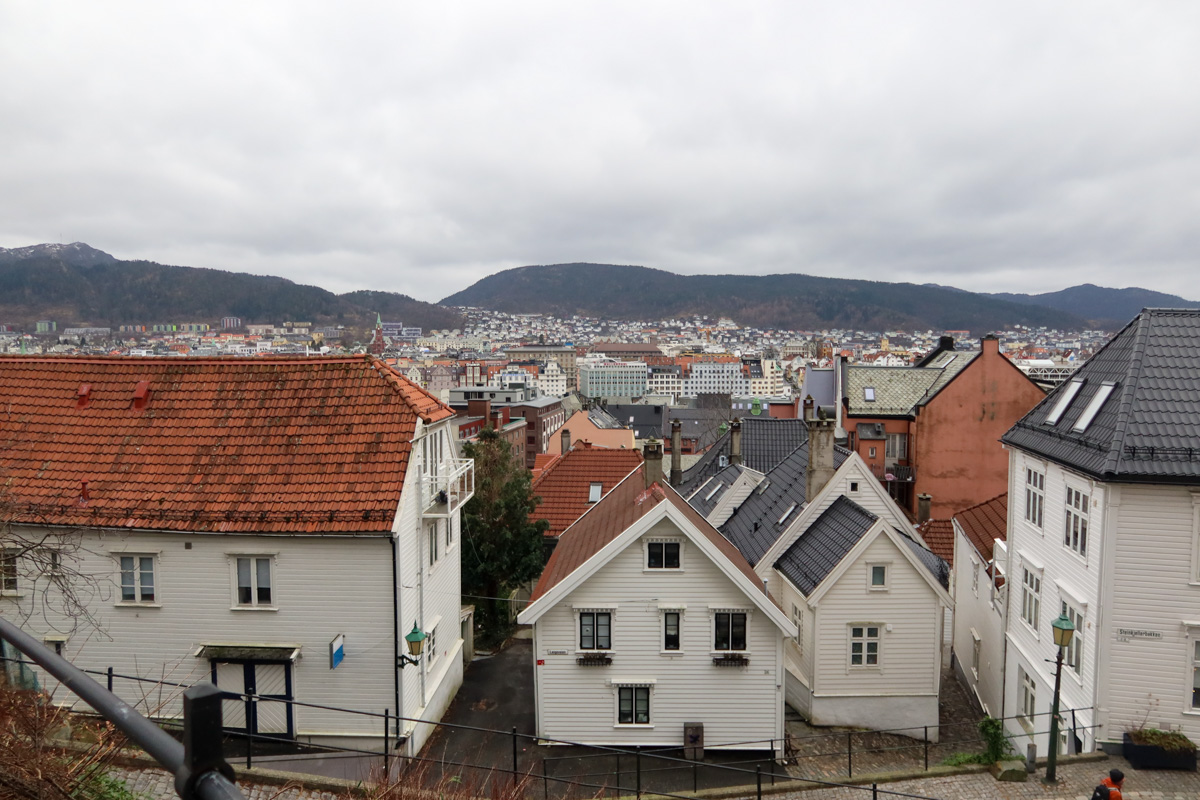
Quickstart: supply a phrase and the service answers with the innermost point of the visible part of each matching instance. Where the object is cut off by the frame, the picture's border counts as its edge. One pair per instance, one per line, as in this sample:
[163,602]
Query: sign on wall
[337,650]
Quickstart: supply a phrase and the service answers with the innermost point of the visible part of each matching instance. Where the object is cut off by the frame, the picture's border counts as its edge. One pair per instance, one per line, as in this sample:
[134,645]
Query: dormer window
[594,492]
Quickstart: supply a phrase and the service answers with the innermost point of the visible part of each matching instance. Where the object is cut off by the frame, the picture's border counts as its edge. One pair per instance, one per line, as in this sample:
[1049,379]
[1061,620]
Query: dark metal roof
[711,491]
[1149,428]
[765,442]
[938,567]
[826,542]
[755,525]
[646,420]
[870,431]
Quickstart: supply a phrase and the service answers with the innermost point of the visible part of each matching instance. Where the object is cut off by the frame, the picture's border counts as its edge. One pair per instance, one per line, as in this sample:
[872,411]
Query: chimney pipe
[923,503]
[820,467]
[652,455]
[735,442]
[676,452]
[566,441]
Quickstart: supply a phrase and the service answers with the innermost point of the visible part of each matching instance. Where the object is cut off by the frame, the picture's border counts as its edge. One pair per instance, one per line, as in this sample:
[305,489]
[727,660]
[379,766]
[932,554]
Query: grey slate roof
[932,561]
[826,542]
[900,390]
[701,500]
[645,419]
[755,525]
[1149,428]
[765,442]
[603,420]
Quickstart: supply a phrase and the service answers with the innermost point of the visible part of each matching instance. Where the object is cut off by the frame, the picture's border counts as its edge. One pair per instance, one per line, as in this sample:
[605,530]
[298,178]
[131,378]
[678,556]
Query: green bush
[961,759]
[1171,741]
[995,744]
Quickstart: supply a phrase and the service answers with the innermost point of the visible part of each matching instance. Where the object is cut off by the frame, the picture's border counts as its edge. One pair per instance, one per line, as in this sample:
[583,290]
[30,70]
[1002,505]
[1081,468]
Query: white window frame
[1075,520]
[254,604]
[974,576]
[10,574]
[886,566]
[654,540]
[1031,597]
[976,653]
[1195,579]
[1035,497]
[895,446]
[1026,699]
[1073,653]
[579,648]
[137,570]
[431,644]
[1191,704]
[663,611]
[633,688]
[595,491]
[865,639]
[798,621]
[712,636]
[431,543]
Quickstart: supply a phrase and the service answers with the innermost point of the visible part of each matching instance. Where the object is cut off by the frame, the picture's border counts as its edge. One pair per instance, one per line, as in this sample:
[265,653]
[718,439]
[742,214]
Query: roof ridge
[978,505]
[1132,375]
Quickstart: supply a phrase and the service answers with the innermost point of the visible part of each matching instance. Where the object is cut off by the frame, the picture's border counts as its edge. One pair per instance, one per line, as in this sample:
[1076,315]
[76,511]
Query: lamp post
[1064,629]
[416,643]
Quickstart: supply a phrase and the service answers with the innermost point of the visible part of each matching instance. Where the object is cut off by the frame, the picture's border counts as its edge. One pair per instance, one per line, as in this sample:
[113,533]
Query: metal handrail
[200,771]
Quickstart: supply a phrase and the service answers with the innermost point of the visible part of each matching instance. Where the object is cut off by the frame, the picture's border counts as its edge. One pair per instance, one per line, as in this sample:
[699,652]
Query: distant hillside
[1104,306]
[78,285]
[769,301]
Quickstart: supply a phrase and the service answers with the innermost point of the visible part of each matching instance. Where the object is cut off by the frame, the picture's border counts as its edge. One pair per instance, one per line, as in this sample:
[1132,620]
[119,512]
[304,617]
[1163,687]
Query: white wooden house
[275,524]
[646,620]
[1104,527]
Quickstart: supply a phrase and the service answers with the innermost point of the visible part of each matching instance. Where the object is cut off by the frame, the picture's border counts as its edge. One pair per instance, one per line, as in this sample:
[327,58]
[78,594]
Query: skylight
[594,492]
[715,489]
[1064,400]
[869,394]
[787,513]
[1093,408]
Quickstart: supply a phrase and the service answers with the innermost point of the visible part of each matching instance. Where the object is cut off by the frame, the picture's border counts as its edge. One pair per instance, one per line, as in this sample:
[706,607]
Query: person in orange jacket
[1114,782]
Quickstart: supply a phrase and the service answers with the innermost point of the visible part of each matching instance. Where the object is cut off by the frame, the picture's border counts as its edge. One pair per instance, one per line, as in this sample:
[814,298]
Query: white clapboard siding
[909,652]
[1153,592]
[974,612]
[735,704]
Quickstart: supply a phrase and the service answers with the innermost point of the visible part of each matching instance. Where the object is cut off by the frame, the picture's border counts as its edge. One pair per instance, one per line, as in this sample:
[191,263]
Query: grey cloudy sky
[416,147]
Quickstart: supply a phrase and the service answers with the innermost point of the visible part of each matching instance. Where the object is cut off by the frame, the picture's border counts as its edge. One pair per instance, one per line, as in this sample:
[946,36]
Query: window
[878,576]
[730,631]
[449,533]
[864,645]
[1074,653]
[787,513]
[976,646]
[432,537]
[1026,700]
[662,555]
[633,705]
[671,630]
[1093,407]
[869,394]
[8,570]
[798,619]
[974,577]
[1031,598]
[53,562]
[896,445]
[871,451]
[1196,673]
[431,645]
[137,579]
[1035,496]
[595,630]
[854,484]
[254,584]
[1076,527]
[594,492]
[1064,400]
[56,643]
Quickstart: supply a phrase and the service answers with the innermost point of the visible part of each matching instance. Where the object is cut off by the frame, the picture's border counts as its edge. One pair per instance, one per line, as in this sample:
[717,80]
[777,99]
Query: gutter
[396,636]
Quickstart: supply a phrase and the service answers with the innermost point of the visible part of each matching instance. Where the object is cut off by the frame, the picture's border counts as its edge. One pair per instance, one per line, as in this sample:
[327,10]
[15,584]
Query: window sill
[137,605]
[13,593]
[671,653]
[253,608]
[661,570]
[642,725]
[877,589]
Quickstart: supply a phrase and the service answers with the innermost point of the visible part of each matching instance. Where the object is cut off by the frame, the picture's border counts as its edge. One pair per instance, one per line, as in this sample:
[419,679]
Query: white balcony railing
[445,493]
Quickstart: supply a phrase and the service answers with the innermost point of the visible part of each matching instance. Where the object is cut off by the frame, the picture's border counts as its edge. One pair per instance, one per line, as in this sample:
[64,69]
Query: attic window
[594,493]
[787,513]
[869,394]
[83,396]
[715,489]
[141,394]
[1064,400]
[1093,407]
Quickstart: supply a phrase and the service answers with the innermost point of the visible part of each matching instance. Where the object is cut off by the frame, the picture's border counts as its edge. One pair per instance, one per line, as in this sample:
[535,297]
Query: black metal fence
[512,757]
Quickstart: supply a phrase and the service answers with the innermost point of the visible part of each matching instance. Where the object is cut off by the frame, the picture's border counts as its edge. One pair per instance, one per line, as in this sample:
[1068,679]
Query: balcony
[444,493]
[894,473]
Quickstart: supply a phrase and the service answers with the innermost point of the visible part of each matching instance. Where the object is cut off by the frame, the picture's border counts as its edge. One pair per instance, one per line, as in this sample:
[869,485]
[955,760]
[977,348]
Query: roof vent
[83,396]
[141,394]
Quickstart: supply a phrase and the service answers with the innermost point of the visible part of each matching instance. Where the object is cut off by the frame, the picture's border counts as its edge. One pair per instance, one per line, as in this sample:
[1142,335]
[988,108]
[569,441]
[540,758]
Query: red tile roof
[564,484]
[984,523]
[628,502]
[939,535]
[290,445]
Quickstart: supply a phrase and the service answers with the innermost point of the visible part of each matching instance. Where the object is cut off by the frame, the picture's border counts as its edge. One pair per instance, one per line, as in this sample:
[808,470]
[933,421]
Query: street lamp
[416,643]
[1064,629]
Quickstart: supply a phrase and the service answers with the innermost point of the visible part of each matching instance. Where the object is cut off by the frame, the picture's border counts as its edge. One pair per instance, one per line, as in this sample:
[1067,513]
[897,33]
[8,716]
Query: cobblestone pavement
[157,784]
[1076,782]
[832,753]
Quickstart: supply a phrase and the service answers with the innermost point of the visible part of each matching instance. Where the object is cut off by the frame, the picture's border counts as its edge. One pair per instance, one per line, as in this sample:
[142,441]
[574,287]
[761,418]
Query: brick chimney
[923,503]
[676,452]
[566,440]
[735,442]
[652,455]
[479,408]
[990,345]
[820,450]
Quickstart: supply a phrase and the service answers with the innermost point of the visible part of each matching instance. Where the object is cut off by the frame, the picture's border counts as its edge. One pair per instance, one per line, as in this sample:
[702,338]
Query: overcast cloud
[1007,146]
